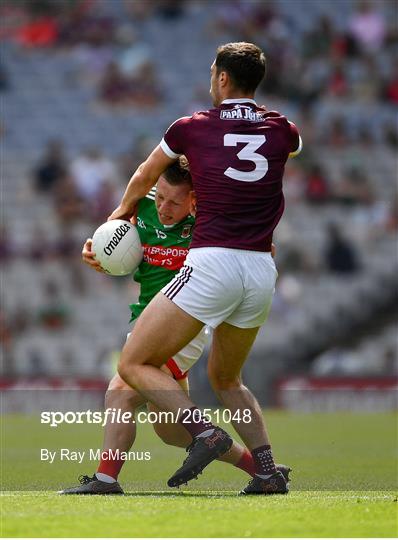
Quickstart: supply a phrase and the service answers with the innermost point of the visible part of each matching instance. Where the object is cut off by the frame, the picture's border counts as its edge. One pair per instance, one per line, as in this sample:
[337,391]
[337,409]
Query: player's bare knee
[125,371]
[117,383]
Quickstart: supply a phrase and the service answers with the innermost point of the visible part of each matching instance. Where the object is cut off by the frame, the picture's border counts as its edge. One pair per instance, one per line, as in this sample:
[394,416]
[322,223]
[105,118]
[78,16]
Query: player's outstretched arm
[144,178]
[88,256]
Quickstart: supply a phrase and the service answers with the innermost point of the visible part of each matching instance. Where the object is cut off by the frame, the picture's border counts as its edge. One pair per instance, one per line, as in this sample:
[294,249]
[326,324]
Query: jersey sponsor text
[240,112]
[172,257]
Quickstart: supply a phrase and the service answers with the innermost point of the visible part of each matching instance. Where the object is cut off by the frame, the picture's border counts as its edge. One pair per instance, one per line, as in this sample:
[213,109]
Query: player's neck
[237,99]
[233,94]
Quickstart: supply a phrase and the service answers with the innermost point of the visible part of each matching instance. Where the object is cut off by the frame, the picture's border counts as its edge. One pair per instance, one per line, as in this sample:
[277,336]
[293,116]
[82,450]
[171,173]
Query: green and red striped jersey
[165,249]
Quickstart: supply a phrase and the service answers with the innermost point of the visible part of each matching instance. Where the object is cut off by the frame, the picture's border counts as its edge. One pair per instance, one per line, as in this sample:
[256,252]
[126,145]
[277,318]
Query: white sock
[105,478]
[206,433]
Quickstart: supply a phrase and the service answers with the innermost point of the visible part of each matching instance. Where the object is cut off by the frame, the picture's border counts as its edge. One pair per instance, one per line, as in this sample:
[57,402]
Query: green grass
[319,514]
[344,484]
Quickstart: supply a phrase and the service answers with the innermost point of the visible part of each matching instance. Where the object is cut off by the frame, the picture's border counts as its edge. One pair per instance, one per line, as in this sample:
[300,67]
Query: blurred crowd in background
[88,88]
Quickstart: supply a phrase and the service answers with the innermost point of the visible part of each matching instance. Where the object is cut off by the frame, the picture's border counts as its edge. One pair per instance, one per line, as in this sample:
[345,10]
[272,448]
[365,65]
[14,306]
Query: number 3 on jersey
[248,153]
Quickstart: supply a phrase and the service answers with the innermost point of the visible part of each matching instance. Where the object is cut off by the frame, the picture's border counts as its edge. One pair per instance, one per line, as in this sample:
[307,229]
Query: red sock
[246,463]
[110,466]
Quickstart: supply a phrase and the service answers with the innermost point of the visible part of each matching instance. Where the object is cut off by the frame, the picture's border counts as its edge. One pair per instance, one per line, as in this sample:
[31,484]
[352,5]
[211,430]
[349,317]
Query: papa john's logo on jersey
[241,112]
[186,231]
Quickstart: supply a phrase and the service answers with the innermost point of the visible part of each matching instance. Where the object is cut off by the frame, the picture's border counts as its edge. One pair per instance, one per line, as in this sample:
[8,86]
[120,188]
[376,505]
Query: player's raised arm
[144,178]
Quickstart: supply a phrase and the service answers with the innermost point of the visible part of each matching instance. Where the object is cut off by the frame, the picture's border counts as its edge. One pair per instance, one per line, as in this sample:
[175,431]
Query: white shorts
[189,355]
[218,285]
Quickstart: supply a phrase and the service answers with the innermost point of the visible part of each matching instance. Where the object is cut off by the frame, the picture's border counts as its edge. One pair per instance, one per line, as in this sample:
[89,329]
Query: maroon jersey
[237,154]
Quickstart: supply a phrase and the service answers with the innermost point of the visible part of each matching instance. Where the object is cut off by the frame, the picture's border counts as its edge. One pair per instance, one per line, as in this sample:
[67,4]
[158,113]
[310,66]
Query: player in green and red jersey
[165,224]
[165,246]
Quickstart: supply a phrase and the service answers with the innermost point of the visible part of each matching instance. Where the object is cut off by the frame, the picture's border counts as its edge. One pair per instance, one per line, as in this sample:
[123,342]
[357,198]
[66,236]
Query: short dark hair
[244,63]
[178,173]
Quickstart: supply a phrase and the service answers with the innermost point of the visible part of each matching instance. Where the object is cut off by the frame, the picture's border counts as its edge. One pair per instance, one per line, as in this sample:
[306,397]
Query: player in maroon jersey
[237,152]
[163,220]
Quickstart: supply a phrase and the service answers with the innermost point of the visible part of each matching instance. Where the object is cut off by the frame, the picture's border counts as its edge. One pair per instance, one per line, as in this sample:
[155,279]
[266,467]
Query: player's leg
[230,348]
[118,438]
[174,434]
[152,341]
[211,288]
[171,433]
[161,331]
[178,367]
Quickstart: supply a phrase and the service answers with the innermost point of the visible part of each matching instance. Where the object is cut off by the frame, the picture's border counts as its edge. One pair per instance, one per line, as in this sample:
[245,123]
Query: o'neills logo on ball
[115,240]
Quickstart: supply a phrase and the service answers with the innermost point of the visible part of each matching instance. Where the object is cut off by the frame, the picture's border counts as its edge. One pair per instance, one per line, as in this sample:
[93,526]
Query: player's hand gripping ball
[117,247]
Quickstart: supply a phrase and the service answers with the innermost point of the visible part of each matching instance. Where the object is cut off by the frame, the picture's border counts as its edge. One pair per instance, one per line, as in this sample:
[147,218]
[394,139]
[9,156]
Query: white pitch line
[293,494]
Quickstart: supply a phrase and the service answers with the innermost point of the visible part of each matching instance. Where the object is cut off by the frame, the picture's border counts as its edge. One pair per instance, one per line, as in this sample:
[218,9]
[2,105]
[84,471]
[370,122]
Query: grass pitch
[343,484]
[198,514]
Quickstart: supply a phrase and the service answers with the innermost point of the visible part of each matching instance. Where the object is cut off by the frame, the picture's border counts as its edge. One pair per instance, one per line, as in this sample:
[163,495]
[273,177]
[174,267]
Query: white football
[117,247]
